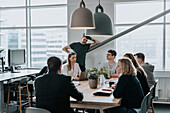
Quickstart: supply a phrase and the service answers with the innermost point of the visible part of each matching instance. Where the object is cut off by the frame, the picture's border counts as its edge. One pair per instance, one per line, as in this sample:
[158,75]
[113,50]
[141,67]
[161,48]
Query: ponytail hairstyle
[68,60]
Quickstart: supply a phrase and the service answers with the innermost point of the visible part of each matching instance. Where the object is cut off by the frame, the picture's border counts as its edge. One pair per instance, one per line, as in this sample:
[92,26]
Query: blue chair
[36,110]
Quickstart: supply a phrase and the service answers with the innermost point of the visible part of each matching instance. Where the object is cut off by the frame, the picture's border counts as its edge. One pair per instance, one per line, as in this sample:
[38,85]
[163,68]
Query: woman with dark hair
[72,68]
[128,88]
[141,75]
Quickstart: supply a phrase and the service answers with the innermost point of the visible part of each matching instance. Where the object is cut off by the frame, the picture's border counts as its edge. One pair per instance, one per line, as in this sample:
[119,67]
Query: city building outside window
[39,27]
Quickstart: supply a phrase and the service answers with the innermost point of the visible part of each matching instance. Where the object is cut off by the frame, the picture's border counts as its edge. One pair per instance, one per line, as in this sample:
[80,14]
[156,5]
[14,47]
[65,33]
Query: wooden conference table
[94,102]
[8,76]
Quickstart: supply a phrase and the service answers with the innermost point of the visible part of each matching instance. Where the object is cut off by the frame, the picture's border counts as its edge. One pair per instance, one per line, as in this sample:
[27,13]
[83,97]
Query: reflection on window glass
[12,39]
[49,16]
[147,39]
[13,18]
[167,63]
[45,2]
[11,3]
[50,43]
[137,12]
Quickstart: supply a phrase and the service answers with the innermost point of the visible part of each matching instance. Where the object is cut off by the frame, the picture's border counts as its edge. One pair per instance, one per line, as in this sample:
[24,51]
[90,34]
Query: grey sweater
[149,69]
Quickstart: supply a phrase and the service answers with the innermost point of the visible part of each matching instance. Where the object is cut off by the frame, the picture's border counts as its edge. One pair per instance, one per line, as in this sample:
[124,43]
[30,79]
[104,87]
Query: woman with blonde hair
[72,68]
[141,75]
[128,88]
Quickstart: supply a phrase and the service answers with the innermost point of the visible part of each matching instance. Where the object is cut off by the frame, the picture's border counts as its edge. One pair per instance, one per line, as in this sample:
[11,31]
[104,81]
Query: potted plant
[93,77]
[104,72]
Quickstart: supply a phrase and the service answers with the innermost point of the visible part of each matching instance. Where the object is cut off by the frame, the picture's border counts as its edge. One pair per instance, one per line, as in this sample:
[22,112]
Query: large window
[38,26]
[148,39]
[46,43]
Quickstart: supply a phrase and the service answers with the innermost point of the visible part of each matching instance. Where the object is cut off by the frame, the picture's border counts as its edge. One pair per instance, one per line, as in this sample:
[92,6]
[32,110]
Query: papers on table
[76,83]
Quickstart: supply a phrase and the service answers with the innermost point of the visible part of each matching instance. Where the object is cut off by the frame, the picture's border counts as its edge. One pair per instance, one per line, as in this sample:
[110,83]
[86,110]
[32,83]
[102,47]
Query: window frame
[164,23]
[28,26]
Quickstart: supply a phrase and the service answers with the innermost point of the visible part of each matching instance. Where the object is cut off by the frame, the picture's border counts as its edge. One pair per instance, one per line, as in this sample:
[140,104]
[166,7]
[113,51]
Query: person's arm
[95,42]
[120,87]
[74,92]
[66,49]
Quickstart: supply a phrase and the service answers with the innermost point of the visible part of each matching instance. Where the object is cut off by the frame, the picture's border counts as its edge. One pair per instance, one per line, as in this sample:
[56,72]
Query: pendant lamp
[82,18]
[103,24]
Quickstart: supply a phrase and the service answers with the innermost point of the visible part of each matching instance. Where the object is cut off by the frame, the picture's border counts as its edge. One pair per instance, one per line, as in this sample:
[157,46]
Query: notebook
[103,92]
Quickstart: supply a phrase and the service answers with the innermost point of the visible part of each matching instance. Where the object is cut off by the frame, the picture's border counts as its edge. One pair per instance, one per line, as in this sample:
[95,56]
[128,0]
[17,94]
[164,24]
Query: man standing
[149,69]
[81,48]
[53,90]
[111,64]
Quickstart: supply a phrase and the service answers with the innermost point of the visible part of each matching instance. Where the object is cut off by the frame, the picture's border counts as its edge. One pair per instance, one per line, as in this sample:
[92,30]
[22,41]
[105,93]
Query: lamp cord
[99,1]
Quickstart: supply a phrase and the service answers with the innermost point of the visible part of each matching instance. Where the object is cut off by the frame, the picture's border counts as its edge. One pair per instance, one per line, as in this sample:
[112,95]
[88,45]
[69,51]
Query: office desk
[93,102]
[8,76]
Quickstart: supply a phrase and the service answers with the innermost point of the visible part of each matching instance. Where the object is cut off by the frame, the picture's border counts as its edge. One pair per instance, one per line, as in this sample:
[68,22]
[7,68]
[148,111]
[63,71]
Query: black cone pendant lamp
[82,18]
[103,24]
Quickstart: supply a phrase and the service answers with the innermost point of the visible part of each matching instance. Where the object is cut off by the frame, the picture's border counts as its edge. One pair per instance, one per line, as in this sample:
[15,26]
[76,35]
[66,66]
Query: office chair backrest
[150,97]
[144,105]
[152,90]
[36,110]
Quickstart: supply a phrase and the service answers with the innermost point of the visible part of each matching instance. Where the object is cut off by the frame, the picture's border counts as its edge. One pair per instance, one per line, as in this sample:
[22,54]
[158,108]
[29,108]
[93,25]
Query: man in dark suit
[53,90]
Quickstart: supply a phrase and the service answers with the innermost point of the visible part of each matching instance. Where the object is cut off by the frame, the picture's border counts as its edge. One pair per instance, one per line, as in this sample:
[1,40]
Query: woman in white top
[72,68]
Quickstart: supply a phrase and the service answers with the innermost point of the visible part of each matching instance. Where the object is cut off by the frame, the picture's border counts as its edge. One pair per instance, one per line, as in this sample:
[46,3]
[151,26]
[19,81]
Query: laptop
[83,76]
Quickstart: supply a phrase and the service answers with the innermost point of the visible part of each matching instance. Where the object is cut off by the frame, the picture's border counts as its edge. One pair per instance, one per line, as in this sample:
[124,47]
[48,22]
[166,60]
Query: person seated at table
[111,64]
[148,68]
[53,90]
[72,68]
[128,88]
[141,75]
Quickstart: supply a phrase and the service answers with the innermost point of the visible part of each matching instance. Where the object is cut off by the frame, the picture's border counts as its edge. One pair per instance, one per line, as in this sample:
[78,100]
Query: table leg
[1,97]
[101,111]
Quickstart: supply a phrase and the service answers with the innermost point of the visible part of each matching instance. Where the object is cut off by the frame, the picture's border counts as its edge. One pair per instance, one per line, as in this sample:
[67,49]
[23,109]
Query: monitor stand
[13,70]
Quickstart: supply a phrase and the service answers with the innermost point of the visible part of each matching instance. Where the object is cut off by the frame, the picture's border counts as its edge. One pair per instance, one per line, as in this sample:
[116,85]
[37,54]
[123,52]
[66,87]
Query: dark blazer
[53,92]
[129,89]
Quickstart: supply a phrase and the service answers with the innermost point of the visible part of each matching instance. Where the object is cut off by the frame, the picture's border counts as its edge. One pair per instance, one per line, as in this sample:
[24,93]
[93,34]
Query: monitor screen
[16,57]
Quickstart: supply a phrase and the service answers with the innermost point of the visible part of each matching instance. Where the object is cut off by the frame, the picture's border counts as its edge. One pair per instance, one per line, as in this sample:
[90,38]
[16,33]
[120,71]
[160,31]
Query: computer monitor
[16,57]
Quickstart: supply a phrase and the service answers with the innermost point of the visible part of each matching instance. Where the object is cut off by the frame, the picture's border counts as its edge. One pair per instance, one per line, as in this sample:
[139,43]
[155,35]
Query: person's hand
[88,37]
[76,78]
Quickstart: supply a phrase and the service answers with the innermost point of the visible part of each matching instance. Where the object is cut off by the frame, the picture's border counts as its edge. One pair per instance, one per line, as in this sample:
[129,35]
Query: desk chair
[16,87]
[36,110]
[152,90]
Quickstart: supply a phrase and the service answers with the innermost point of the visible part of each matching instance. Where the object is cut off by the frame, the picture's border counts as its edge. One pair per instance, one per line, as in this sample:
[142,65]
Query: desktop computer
[16,57]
